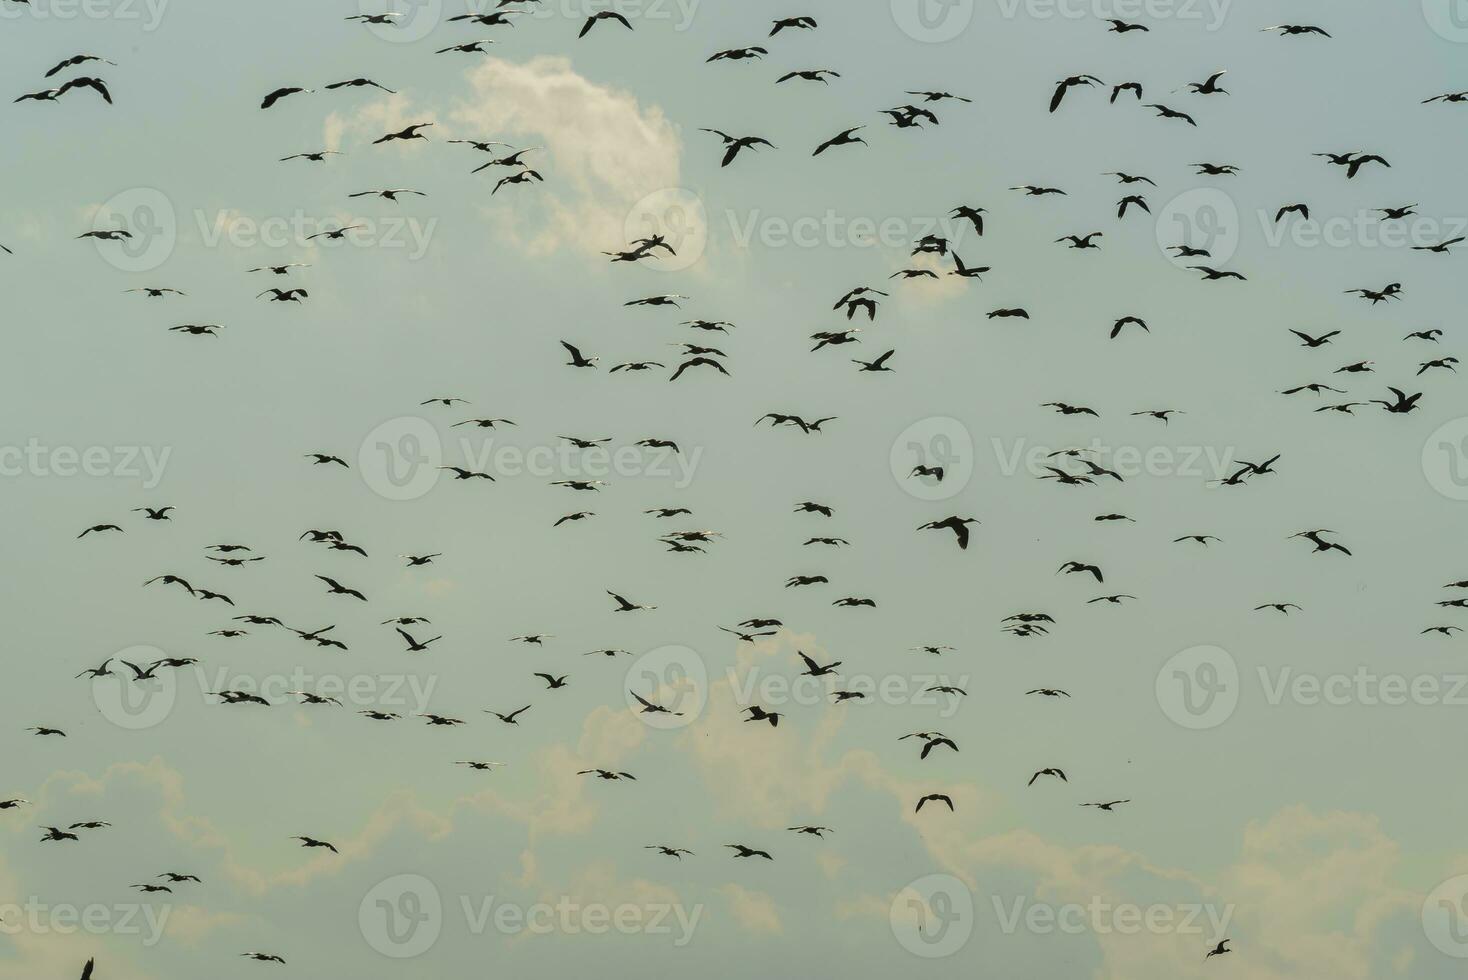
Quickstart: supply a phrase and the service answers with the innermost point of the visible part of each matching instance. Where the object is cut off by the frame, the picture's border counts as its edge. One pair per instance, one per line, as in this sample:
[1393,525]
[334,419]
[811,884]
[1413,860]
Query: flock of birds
[512,166]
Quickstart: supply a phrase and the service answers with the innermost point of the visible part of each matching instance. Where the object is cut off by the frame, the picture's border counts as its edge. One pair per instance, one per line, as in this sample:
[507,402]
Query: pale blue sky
[1259,816]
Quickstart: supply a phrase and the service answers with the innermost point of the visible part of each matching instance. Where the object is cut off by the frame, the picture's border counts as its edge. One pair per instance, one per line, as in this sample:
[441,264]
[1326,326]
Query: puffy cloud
[753,911]
[604,151]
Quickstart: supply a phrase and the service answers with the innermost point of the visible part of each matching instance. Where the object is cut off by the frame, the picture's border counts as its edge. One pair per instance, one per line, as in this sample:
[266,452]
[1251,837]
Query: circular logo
[147,218]
[401,21]
[678,217]
[933,459]
[402,916]
[1445,459]
[1199,687]
[933,21]
[673,678]
[933,917]
[1205,219]
[400,458]
[1447,18]
[133,702]
[1445,917]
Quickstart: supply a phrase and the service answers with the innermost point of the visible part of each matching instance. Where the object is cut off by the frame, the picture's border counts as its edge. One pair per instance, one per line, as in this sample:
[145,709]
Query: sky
[1283,771]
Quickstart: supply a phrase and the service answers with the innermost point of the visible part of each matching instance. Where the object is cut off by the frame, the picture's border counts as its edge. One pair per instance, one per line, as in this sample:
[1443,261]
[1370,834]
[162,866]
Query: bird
[1295,30]
[1057,773]
[391,194]
[1314,537]
[625,605]
[789,23]
[733,144]
[1165,113]
[741,851]
[513,717]
[933,798]
[281,93]
[958,525]
[600,16]
[416,646]
[846,137]
[52,94]
[1441,248]
[822,75]
[1074,567]
[738,54]
[1068,83]
[336,588]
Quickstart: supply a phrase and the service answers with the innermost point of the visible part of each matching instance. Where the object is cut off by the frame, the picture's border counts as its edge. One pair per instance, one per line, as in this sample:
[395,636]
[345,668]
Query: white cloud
[604,151]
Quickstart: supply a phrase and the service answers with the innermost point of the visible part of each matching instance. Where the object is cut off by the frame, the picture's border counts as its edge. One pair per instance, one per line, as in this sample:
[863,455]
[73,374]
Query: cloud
[753,911]
[369,121]
[604,151]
